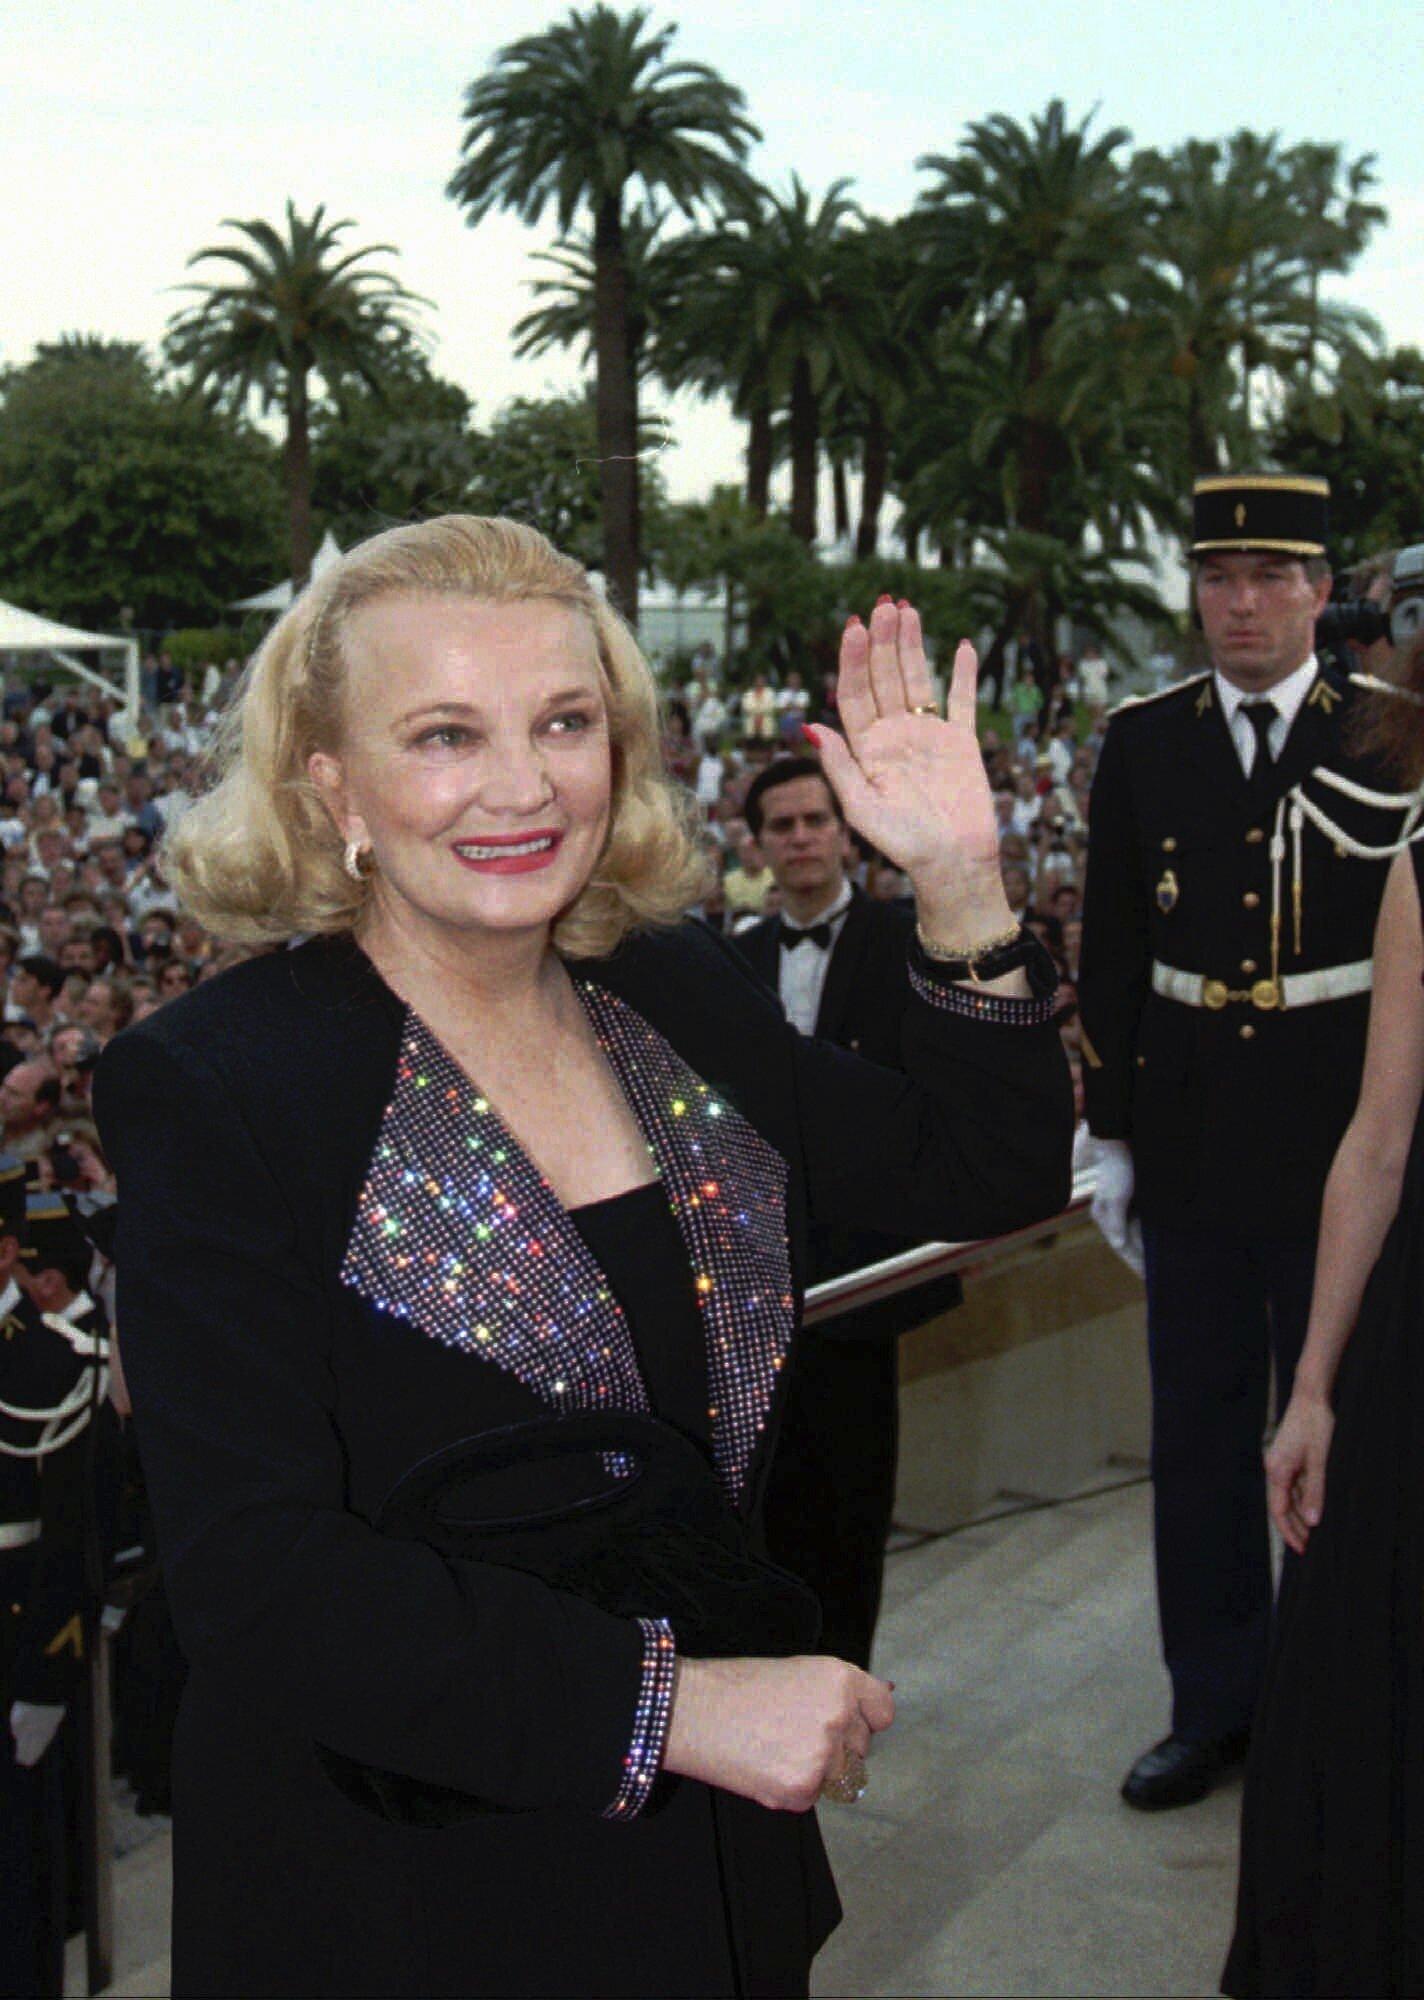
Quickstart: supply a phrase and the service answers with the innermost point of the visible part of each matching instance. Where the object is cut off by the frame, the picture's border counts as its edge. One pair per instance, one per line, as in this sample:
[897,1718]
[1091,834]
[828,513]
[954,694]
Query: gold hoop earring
[351,860]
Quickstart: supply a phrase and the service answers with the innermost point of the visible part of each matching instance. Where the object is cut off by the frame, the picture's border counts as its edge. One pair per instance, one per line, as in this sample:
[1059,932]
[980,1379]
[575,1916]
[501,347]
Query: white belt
[15,1534]
[1296,989]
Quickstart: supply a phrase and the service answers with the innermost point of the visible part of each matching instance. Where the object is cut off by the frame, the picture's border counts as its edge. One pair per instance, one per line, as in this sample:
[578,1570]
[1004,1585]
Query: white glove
[1113,1198]
[34,1726]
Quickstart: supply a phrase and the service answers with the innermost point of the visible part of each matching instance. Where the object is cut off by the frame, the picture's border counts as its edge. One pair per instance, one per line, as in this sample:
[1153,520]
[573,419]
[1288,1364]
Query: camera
[1360,619]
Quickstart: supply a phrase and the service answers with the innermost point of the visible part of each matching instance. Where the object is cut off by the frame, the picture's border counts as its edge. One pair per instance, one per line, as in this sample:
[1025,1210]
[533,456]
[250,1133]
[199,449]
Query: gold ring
[925,708]
[849,1783]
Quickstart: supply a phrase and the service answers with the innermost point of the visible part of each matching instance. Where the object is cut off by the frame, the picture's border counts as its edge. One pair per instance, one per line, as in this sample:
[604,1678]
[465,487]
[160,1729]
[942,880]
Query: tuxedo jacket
[863,1008]
[333,1261]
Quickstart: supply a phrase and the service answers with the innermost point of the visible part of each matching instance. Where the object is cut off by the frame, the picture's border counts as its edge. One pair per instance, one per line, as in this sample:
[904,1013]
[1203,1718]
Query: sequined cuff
[650,1720]
[1000,1009]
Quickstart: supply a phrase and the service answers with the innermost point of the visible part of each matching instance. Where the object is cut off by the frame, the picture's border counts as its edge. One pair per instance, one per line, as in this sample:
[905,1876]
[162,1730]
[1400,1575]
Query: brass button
[1248,965]
[1340,852]
[1142,1062]
[1250,901]
[1169,845]
[1256,834]
[1247,1033]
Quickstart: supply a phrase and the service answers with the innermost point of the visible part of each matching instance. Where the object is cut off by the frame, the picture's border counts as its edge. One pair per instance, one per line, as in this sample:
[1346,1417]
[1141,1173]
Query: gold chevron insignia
[1203,700]
[1322,695]
[71,1634]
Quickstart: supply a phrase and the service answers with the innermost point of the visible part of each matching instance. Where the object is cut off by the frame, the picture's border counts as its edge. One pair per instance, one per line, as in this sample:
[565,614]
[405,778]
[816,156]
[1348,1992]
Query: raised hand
[911,781]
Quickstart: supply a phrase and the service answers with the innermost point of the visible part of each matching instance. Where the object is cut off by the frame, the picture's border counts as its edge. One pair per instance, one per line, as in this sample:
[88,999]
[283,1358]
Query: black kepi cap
[55,1237]
[1284,512]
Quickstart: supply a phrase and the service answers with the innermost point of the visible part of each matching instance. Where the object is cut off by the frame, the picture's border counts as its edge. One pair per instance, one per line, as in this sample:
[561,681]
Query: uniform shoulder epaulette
[1191,685]
[1372,684]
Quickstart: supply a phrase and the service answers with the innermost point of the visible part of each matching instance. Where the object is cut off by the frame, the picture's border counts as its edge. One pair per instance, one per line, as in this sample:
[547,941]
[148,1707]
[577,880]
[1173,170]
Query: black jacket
[287,1367]
[863,1006]
[1233,1114]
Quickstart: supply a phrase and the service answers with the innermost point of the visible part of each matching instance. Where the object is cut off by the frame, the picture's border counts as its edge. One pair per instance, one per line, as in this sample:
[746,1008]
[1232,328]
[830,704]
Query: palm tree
[771,312]
[574,118]
[1238,236]
[298,306]
[1031,220]
[568,313]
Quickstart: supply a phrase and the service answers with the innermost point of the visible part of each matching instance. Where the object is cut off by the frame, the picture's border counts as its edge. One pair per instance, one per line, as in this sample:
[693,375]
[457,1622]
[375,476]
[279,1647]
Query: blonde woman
[499,1158]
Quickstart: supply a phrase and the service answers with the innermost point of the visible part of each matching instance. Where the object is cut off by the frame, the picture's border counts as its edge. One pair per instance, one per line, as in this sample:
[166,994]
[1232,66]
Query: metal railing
[835,1296]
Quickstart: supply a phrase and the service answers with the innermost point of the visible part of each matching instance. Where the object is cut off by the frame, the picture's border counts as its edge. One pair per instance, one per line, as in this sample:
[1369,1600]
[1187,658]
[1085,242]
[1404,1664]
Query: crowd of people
[91,936]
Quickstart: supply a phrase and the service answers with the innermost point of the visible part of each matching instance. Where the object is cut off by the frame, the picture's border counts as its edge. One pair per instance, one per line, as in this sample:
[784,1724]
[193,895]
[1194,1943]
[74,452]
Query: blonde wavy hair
[257,859]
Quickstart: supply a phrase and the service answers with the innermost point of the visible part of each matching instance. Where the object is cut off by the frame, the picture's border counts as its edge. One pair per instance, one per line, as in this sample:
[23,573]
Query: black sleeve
[974,1139]
[450,1671]
[1114,975]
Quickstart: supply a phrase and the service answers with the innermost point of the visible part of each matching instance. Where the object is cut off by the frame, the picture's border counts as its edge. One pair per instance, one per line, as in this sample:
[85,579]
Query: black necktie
[1261,715]
[816,934]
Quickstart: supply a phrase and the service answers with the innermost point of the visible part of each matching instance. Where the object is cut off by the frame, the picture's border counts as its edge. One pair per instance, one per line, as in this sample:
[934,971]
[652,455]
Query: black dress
[1331,1897]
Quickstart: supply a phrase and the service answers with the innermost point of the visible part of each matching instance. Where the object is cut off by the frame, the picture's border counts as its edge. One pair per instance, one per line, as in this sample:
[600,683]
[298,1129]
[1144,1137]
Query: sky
[132,128]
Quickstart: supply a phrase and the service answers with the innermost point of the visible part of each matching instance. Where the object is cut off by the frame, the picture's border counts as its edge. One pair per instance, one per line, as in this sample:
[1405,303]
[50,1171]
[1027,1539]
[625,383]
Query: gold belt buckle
[1215,994]
[1265,994]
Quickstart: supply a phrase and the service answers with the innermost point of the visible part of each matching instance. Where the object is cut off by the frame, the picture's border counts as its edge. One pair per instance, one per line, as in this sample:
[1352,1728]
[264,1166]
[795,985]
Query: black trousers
[1220,1309]
[33,1874]
[831,1489]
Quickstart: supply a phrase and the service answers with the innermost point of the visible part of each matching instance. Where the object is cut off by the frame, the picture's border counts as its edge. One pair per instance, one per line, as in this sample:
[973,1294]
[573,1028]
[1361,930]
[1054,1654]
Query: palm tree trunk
[759,457]
[616,399]
[1201,433]
[874,475]
[1037,441]
[840,499]
[805,443]
[297,472]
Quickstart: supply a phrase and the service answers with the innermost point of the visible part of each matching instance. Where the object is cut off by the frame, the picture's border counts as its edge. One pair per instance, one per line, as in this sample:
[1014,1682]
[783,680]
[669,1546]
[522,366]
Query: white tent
[26,632]
[280,596]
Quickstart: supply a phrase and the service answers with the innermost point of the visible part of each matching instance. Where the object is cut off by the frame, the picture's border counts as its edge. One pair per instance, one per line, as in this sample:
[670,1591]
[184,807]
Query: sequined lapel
[457,1232]
[727,1190]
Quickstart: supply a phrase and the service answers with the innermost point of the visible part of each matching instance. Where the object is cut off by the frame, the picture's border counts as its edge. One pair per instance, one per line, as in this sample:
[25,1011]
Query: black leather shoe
[1174,1773]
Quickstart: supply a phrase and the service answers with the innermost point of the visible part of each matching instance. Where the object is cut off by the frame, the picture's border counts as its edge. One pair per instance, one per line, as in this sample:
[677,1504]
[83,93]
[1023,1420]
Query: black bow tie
[816,934]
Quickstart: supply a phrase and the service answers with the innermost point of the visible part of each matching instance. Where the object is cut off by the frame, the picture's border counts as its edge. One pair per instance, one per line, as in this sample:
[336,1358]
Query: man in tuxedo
[837,960]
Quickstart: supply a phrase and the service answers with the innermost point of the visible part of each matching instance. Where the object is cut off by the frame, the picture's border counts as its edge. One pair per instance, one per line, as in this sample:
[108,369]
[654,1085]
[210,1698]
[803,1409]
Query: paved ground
[991,1854]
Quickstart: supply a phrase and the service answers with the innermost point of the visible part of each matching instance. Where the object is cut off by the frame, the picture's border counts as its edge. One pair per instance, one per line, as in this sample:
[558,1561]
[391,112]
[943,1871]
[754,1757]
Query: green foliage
[569,117]
[297,304]
[115,492]
[191,647]
[1367,437]
[401,452]
[539,462]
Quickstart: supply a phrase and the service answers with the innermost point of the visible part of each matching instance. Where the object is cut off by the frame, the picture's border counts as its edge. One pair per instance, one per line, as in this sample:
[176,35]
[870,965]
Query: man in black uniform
[1224,991]
[838,962]
[51,1349]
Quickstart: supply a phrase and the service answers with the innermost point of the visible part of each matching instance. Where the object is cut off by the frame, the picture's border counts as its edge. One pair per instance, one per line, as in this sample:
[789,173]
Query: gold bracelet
[969,955]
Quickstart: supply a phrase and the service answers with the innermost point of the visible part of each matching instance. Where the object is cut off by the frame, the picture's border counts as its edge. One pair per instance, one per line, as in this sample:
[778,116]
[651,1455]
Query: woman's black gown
[1331,1897]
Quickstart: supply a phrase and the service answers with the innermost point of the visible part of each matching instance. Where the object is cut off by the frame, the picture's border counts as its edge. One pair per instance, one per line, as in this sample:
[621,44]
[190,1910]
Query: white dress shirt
[1289,697]
[802,968]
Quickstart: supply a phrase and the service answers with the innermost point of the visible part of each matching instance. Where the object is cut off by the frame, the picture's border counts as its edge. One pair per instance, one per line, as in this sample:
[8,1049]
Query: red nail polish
[884,598]
[904,603]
